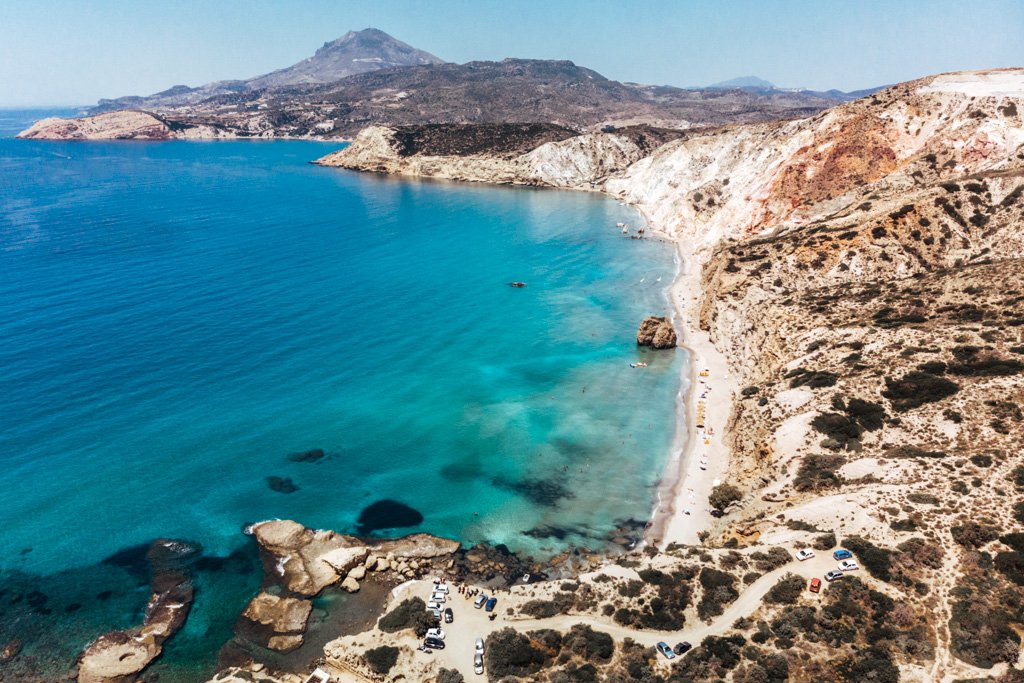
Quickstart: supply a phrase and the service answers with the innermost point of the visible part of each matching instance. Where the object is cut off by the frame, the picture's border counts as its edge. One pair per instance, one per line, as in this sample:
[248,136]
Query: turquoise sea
[176,319]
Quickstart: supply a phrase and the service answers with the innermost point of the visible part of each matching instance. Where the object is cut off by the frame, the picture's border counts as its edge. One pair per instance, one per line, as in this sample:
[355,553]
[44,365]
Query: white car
[435,633]
[804,554]
[432,605]
[441,588]
[478,663]
[480,646]
[848,566]
[438,597]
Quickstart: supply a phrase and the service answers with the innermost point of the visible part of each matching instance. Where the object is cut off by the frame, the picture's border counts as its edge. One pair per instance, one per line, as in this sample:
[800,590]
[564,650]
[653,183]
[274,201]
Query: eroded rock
[657,333]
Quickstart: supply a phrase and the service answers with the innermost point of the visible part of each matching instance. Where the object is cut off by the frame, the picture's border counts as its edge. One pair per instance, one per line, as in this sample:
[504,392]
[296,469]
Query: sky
[65,52]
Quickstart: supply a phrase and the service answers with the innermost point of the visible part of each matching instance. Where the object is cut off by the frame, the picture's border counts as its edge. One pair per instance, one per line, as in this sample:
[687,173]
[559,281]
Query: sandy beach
[700,457]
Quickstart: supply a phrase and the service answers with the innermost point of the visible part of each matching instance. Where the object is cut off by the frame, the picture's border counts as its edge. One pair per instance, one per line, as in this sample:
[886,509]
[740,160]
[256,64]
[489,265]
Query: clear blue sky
[74,52]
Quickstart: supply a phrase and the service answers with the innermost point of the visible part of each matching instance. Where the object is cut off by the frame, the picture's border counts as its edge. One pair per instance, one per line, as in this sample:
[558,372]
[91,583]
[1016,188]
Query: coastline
[680,511]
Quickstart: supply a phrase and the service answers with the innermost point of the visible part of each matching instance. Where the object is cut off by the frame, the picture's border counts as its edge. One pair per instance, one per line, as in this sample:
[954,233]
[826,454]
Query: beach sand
[681,507]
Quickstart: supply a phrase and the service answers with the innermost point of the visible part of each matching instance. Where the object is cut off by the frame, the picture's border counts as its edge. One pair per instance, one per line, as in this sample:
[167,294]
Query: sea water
[177,319]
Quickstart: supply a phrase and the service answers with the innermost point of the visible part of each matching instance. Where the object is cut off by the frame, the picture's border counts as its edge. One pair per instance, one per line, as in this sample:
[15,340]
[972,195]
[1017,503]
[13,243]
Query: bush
[973,535]
[449,676]
[1012,565]
[411,613]
[818,472]
[381,659]
[772,559]
[877,561]
[1018,511]
[718,591]
[541,609]
[917,388]
[978,633]
[724,495]
[1017,476]
[870,664]
[510,653]
[1014,540]
[826,541]
[841,429]
[589,644]
[786,591]
[814,379]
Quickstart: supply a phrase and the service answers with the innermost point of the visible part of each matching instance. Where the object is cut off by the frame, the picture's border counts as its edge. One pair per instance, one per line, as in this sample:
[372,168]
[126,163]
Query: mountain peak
[355,52]
[743,82]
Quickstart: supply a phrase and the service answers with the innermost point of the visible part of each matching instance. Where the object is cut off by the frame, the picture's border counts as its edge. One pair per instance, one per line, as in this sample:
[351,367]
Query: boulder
[350,585]
[283,618]
[656,333]
[307,561]
[116,658]
[357,573]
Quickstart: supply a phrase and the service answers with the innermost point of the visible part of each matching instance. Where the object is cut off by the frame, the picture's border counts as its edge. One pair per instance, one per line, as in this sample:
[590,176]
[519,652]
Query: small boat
[621,225]
[517,284]
[638,365]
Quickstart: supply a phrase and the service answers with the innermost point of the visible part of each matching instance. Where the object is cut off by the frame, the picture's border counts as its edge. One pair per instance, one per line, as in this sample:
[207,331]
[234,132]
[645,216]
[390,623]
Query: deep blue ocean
[178,318]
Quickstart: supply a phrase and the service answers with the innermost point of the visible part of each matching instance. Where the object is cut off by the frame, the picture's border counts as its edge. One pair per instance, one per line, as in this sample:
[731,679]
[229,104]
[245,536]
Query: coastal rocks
[350,585]
[656,333]
[119,656]
[11,650]
[277,623]
[304,561]
[418,546]
[119,125]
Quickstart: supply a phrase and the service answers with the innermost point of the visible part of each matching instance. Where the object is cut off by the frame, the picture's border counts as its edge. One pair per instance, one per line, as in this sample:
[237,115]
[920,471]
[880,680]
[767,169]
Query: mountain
[509,91]
[743,82]
[355,52]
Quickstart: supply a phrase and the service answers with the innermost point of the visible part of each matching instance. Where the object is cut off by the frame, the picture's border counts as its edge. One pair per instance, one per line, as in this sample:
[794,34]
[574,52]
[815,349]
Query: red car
[815,585]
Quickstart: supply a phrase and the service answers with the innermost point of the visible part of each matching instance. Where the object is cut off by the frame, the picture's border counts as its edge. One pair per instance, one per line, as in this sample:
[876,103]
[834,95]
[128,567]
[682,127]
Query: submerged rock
[388,514]
[282,484]
[307,456]
[657,333]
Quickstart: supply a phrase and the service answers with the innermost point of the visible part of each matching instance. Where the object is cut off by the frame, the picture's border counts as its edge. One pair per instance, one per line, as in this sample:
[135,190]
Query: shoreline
[680,510]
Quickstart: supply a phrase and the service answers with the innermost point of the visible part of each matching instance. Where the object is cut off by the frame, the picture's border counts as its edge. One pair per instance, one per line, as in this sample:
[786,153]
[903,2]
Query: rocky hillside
[510,91]
[863,276]
[355,52]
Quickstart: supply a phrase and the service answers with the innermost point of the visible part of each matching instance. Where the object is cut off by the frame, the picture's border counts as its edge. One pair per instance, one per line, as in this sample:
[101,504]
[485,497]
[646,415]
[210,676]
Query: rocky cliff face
[862,274]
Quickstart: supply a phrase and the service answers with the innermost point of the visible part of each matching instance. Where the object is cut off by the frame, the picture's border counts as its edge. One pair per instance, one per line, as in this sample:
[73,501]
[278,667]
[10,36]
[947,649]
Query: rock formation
[657,333]
[118,657]
[283,618]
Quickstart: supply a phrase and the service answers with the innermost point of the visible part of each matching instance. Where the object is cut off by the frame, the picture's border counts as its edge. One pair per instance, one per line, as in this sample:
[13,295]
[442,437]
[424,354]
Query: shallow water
[178,318]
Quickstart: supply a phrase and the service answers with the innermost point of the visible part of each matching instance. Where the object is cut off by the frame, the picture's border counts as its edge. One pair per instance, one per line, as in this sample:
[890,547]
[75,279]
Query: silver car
[478,663]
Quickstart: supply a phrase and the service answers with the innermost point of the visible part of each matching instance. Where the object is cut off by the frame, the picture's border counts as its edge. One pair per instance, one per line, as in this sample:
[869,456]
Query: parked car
[848,566]
[716,513]
[433,643]
[449,616]
[664,649]
[433,604]
[436,613]
[480,600]
[842,554]
[480,646]
[815,586]
[833,575]
[489,606]
[438,597]
[478,663]
[804,554]
[435,633]
[682,648]
[440,587]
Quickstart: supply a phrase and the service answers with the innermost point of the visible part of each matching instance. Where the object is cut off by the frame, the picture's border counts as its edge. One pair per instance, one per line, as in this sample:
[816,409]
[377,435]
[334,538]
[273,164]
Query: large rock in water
[656,333]
[307,561]
[119,657]
[278,622]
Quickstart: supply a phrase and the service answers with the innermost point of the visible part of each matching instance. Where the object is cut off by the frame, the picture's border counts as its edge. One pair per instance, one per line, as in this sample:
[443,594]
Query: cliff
[862,275]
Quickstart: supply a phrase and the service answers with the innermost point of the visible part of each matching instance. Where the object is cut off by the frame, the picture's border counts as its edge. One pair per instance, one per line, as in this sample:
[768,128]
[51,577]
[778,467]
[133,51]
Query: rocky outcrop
[119,125]
[118,657]
[277,623]
[303,561]
[657,333]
